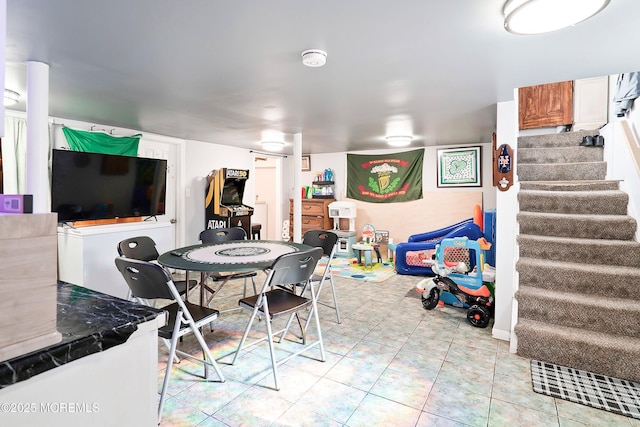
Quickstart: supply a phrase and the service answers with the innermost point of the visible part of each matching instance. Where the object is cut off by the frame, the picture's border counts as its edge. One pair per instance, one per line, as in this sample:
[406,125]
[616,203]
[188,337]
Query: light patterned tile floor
[389,363]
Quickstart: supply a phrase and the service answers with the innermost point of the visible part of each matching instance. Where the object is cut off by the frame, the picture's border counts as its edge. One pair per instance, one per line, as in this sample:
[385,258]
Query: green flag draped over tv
[97,142]
[385,178]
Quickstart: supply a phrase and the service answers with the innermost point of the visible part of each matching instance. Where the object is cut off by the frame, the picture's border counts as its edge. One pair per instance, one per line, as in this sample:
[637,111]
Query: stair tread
[580,217]
[562,194]
[624,341]
[562,164]
[577,182]
[586,268]
[580,348]
[569,193]
[572,147]
[581,240]
[561,139]
[578,298]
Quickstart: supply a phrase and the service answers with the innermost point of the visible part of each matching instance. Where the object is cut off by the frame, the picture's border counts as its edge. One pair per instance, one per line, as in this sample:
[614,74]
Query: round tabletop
[235,255]
[362,247]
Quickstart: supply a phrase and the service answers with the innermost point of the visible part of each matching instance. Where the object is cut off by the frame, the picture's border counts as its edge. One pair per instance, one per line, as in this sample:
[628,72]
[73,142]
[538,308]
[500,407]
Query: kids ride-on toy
[467,288]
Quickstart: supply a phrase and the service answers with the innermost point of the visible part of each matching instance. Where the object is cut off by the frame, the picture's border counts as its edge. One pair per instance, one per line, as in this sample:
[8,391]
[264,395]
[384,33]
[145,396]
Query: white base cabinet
[86,254]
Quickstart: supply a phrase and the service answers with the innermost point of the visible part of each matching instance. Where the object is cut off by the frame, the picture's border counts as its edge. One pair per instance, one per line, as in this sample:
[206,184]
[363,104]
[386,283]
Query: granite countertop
[89,322]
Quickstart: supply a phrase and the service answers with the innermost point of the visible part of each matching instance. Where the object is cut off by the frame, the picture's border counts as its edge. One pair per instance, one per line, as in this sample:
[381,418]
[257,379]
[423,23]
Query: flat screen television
[90,186]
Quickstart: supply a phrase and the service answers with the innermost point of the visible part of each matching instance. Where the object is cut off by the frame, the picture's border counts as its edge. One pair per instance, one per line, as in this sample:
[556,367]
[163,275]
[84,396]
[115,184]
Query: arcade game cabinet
[223,200]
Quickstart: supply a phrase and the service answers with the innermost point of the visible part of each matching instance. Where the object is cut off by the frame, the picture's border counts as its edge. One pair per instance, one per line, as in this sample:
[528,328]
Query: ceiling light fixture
[399,140]
[543,16]
[272,145]
[314,58]
[11,97]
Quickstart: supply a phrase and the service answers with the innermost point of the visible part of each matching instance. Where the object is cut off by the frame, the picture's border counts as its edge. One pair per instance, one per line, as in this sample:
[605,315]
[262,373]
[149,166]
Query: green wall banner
[97,142]
[385,178]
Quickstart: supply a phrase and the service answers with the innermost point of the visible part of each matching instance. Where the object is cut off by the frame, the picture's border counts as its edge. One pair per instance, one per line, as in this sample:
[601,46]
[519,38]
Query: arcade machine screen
[232,192]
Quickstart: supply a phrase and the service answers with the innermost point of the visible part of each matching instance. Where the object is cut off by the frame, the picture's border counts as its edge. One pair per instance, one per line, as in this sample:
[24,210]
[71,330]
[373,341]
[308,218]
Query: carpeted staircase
[579,265]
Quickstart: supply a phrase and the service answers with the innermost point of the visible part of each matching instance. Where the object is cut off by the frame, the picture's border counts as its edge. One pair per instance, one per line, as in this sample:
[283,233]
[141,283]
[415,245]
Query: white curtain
[14,155]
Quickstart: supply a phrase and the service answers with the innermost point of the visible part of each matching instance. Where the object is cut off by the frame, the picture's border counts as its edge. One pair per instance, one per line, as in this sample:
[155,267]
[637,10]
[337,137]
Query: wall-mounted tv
[89,186]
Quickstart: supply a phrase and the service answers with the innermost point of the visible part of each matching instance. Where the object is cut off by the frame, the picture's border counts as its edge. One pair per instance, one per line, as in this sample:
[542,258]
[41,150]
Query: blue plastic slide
[410,255]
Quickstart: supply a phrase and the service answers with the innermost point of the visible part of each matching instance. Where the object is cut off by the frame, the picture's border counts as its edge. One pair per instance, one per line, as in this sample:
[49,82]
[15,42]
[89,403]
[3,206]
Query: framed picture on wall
[306,163]
[459,167]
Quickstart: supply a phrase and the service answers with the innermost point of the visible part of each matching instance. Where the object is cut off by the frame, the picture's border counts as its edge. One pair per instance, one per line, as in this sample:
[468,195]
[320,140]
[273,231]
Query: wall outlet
[16,203]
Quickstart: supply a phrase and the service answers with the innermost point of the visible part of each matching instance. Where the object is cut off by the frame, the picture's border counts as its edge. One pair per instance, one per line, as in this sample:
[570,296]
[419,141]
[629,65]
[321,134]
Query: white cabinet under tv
[86,254]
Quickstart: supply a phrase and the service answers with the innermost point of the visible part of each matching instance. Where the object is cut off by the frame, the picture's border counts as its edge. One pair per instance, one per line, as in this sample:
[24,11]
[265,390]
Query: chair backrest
[293,268]
[216,235]
[140,247]
[145,279]
[321,239]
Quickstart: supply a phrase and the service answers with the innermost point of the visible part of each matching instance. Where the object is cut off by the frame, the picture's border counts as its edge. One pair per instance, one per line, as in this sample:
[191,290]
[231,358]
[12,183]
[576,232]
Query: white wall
[200,159]
[265,178]
[338,163]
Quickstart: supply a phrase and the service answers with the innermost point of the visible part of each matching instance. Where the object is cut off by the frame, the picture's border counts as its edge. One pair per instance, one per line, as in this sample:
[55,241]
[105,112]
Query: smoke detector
[314,58]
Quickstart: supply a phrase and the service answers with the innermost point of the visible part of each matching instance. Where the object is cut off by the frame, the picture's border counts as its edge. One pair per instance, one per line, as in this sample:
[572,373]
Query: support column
[297,185]
[3,43]
[506,306]
[38,135]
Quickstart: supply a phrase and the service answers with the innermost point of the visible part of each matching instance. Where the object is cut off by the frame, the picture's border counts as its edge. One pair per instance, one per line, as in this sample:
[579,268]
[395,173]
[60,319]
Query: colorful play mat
[348,267]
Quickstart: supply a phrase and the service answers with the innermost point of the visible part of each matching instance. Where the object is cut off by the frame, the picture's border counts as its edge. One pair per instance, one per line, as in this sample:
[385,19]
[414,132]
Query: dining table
[229,258]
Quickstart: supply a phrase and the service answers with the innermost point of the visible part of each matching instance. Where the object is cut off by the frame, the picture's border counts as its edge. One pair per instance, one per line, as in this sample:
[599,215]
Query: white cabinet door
[591,101]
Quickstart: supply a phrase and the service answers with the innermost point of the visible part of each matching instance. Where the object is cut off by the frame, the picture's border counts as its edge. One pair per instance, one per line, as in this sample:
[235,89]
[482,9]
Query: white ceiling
[224,71]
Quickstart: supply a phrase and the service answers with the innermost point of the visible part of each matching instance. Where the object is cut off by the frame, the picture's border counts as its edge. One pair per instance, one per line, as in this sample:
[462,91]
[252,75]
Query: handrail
[634,148]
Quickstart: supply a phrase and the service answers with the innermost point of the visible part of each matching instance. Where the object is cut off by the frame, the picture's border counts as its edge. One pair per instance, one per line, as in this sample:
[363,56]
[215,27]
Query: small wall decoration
[502,165]
[459,167]
[306,163]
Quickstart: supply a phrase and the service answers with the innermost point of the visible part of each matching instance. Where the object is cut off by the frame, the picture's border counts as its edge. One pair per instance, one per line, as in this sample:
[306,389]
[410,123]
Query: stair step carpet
[579,262]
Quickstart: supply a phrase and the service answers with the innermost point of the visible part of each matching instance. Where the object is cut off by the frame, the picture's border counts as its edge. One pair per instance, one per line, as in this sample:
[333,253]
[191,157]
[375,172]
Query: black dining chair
[289,269]
[149,282]
[143,248]
[327,241]
[220,235]
[217,235]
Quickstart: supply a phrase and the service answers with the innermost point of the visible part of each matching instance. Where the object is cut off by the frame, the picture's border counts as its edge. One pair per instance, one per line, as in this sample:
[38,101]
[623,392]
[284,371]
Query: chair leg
[303,330]
[272,350]
[167,343]
[329,275]
[335,298]
[253,282]
[246,333]
[206,353]
[314,310]
[167,373]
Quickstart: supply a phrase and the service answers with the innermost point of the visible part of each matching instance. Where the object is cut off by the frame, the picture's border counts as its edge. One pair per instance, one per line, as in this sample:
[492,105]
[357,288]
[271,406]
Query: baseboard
[500,334]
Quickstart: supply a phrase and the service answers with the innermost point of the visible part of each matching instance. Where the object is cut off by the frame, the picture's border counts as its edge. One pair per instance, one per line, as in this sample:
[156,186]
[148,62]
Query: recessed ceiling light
[314,58]
[273,145]
[399,140]
[11,97]
[543,16]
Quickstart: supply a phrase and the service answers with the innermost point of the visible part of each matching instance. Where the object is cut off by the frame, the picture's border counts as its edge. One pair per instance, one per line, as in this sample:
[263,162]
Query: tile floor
[389,363]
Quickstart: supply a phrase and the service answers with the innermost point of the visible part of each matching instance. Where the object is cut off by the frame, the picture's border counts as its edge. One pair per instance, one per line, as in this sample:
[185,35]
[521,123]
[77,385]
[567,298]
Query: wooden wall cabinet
[545,105]
[315,215]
